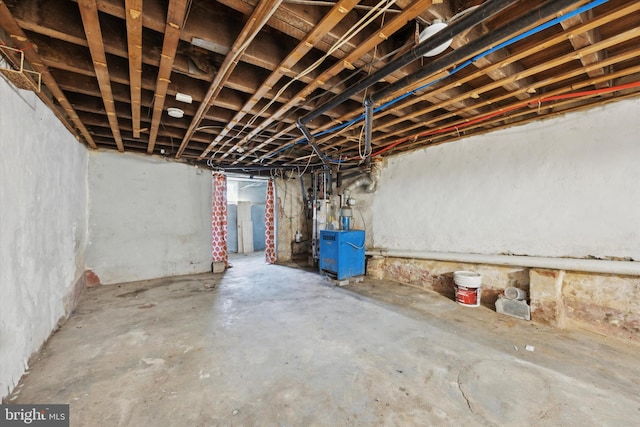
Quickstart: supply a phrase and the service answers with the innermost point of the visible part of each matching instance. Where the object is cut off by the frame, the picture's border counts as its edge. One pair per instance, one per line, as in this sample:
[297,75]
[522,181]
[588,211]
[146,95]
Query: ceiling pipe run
[481,14]
[480,44]
[627,268]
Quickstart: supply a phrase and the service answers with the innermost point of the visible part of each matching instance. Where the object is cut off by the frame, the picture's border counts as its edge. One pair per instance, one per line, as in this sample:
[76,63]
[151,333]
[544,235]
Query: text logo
[34,415]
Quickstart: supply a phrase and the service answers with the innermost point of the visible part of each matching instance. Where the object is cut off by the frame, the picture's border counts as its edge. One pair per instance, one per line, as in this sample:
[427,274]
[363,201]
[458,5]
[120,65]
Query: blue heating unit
[342,253]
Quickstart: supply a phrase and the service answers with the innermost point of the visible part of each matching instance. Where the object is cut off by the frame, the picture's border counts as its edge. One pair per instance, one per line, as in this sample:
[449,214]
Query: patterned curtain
[269,222]
[219,219]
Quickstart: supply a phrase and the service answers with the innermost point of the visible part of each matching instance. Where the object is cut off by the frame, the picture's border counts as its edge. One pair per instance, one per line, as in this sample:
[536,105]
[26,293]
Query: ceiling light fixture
[428,32]
[183,97]
[175,112]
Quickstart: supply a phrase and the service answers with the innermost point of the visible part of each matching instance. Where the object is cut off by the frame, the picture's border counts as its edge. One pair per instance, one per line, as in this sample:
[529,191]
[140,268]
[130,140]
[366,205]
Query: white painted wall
[43,198]
[567,186]
[148,218]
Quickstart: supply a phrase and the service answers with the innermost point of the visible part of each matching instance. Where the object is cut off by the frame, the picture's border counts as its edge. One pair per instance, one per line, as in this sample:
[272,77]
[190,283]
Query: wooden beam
[82,84]
[627,35]
[507,121]
[257,20]
[21,41]
[417,7]
[512,67]
[618,13]
[91,22]
[175,21]
[331,19]
[380,142]
[134,44]
[58,23]
[61,55]
[265,51]
[298,21]
[563,90]
[585,39]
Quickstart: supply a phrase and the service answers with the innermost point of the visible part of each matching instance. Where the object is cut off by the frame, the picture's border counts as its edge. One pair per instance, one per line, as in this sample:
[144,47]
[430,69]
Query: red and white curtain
[219,219]
[270,224]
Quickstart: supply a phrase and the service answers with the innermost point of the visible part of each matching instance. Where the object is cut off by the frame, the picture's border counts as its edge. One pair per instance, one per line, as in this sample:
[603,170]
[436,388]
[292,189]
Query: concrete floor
[278,346]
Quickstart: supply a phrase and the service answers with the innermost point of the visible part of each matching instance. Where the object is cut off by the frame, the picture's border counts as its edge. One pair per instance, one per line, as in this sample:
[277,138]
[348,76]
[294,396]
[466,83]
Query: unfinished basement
[320,213]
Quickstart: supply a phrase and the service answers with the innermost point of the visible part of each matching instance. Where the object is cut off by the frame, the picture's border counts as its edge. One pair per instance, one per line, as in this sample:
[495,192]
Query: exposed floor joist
[258,19]
[134,44]
[245,104]
[89,13]
[176,15]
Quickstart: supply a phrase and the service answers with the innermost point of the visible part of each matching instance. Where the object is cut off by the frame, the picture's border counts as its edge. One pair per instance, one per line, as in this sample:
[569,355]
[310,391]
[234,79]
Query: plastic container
[468,288]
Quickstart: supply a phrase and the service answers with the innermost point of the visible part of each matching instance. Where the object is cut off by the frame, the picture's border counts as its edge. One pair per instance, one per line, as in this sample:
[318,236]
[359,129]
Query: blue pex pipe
[465,64]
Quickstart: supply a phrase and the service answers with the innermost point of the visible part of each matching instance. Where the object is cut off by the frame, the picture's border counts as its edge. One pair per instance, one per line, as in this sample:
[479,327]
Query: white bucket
[468,289]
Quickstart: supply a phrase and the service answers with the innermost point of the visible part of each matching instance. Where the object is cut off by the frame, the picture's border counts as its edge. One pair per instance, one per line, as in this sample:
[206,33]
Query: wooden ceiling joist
[338,11]
[247,73]
[585,39]
[258,19]
[176,15]
[394,25]
[627,35]
[547,44]
[134,43]
[597,47]
[91,21]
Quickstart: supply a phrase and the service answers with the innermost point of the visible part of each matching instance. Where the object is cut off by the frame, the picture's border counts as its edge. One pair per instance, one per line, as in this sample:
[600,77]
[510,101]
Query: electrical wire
[369,17]
[321,95]
[455,70]
[527,103]
[220,127]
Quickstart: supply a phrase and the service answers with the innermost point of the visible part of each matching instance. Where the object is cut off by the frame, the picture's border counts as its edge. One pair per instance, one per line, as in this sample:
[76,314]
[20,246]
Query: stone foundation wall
[601,303]
[438,275]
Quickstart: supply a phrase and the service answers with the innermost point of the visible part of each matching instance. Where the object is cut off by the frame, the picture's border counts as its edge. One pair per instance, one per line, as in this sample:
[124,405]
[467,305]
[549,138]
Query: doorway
[246,202]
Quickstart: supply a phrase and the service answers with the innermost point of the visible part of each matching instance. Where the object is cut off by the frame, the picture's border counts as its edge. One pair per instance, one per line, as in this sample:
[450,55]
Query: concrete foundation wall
[148,218]
[564,187]
[43,227]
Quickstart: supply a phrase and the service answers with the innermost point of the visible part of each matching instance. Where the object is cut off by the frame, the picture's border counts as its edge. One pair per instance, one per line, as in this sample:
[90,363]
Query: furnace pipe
[368,125]
[625,268]
[479,15]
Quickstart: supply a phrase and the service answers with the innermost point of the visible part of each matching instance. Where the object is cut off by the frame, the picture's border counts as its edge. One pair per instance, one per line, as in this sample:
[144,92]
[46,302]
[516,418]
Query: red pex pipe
[528,103]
